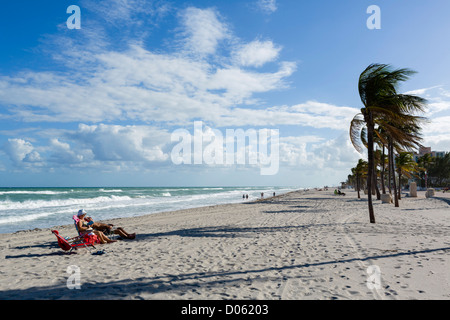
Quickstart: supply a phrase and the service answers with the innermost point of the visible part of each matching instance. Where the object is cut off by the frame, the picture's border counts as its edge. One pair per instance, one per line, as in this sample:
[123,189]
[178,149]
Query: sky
[97,96]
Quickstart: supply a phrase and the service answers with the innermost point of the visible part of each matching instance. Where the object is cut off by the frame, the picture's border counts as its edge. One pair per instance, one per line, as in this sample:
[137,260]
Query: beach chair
[72,243]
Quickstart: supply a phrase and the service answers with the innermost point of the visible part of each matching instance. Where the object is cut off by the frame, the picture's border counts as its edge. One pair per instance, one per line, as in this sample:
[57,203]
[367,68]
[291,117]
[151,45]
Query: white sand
[302,245]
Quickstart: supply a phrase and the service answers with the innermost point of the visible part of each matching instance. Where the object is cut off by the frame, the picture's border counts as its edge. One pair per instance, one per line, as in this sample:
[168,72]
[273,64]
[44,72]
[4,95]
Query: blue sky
[97,106]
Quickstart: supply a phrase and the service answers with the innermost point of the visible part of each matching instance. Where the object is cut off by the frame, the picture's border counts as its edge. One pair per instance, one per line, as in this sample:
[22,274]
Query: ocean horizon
[23,208]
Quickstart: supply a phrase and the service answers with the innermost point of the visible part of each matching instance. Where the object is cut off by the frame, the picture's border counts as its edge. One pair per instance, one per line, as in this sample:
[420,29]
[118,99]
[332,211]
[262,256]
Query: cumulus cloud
[21,152]
[61,152]
[122,143]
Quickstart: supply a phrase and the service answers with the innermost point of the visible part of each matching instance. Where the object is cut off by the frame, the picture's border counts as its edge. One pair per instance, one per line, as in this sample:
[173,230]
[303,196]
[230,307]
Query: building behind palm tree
[427,150]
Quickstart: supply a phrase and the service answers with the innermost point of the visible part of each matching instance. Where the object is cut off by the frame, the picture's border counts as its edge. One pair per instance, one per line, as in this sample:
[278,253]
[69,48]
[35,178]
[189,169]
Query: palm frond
[356,126]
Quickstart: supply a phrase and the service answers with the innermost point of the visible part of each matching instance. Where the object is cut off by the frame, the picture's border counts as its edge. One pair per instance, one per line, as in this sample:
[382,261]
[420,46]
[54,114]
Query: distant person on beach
[262,195]
[246,196]
[274,194]
[103,227]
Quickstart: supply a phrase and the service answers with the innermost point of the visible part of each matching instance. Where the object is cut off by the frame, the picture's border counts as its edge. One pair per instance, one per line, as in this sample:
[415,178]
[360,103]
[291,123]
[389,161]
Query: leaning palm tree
[377,88]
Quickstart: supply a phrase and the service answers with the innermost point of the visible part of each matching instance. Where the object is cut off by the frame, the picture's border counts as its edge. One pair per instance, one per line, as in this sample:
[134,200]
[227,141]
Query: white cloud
[436,133]
[203,30]
[438,125]
[136,84]
[267,6]
[257,53]
[125,11]
[21,152]
[316,153]
[107,85]
[437,97]
[439,142]
[62,153]
[422,91]
[310,114]
[102,147]
[122,143]
[202,80]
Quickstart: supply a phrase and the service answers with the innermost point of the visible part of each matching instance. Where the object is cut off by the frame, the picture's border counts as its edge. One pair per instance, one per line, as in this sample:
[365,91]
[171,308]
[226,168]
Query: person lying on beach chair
[105,228]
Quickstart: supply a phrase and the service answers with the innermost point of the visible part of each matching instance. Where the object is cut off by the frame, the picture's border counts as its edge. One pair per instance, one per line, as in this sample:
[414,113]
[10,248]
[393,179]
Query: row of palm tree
[405,167]
[388,119]
[436,169]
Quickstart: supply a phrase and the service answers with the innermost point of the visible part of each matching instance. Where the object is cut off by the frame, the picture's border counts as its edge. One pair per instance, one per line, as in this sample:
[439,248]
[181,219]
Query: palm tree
[381,139]
[402,136]
[377,162]
[439,172]
[426,161]
[359,172]
[377,88]
[405,166]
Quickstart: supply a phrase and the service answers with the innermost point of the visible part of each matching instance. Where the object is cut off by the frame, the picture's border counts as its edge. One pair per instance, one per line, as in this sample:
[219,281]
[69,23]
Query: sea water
[30,208]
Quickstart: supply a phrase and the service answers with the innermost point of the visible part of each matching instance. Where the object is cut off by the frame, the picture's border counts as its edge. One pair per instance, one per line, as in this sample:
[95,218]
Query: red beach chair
[72,243]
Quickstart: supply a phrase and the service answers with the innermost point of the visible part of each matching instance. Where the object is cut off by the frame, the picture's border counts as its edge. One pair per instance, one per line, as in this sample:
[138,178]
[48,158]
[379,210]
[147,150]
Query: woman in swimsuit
[83,229]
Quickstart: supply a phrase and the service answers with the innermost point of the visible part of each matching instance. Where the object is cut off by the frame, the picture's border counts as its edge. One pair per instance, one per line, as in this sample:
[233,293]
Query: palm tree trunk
[358,183]
[394,183]
[370,156]
[383,188]
[375,184]
[389,168]
[378,192]
[399,184]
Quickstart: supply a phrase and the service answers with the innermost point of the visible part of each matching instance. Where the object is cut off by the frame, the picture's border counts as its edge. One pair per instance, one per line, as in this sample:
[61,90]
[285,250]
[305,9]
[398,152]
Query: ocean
[30,208]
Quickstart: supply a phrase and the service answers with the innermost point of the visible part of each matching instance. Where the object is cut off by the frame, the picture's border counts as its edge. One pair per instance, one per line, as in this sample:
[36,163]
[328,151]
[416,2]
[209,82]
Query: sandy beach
[296,246]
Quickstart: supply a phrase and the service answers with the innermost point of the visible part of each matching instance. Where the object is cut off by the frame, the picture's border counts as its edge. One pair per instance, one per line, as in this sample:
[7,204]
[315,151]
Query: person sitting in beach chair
[85,230]
[103,227]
